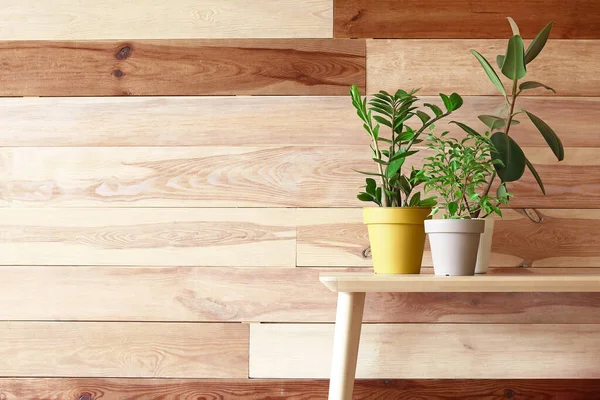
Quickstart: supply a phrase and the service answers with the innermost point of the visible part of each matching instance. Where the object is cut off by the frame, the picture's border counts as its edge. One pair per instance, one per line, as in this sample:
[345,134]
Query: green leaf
[403,154]
[535,175]
[538,43]
[511,156]
[415,200]
[428,202]
[365,197]
[367,173]
[394,167]
[423,116]
[466,128]
[405,185]
[490,72]
[514,64]
[492,122]
[500,60]
[447,102]
[457,101]
[382,120]
[533,85]
[551,138]
[371,186]
[436,110]
[378,161]
[513,26]
[502,193]
[452,208]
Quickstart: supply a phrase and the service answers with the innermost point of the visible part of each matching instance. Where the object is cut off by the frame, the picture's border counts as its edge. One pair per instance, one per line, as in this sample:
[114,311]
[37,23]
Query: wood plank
[153,237]
[148,19]
[259,389]
[254,295]
[431,351]
[291,176]
[357,282]
[209,121]
[463,19]
[94,349]
[566,65]
[539,238]
[182,67]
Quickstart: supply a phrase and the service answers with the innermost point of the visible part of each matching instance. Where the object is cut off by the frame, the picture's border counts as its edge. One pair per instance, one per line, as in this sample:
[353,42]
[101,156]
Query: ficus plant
[393,185]
[459,172]
[514,65]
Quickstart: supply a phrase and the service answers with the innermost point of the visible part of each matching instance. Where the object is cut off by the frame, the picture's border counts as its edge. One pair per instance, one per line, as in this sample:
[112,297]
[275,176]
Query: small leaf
[466,128]
[490,72]
[457,101]
[500,60]
[502,193]
[452,208]
[404,185]
[533,85]
[436,110]
[535,175]
[403,154]
[551,138]
[428,202]
[367,173]
[514,64]
[538,43]
[513,26]
[365,197]
[382,120]
[415,200]
[492,122]
[511,156]
[423,116]
[394,167]
[447,102]
[371,186]
[378,161]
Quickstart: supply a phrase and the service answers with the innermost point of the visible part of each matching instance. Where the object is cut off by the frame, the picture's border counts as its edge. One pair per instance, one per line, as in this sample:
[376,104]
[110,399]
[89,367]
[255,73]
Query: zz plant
[459,172]
[514,65]
[395,186]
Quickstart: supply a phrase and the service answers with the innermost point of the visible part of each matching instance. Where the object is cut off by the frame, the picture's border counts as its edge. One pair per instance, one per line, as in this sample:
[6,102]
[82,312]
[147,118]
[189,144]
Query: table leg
[348,321]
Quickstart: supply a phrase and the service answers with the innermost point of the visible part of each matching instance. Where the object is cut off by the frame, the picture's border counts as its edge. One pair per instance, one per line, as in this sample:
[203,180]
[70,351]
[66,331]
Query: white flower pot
[485,247]
[454,244]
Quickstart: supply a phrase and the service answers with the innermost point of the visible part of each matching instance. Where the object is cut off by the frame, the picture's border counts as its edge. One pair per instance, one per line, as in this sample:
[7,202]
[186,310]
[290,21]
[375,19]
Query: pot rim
[455,226]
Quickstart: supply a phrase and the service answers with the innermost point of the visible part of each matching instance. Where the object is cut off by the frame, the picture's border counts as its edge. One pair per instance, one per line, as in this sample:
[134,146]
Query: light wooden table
[352,287]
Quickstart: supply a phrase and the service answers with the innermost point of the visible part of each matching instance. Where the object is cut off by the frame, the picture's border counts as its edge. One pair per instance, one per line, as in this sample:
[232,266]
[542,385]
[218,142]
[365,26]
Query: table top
[370,282]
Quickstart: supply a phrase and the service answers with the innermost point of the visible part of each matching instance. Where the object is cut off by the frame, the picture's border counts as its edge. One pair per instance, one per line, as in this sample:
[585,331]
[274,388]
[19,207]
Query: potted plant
[513,64]
[459,172]
[395,225]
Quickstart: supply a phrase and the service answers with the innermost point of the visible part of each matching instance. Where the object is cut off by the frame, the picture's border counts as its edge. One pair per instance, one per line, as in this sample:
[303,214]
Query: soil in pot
[454,245]
[397,237]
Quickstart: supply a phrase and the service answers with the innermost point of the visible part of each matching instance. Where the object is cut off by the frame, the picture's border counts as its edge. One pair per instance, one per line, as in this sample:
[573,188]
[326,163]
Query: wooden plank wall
[175,175]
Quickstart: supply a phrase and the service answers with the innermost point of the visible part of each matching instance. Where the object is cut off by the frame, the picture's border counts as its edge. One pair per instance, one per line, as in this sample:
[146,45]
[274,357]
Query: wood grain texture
[431,351]
[209,121]
[93,349]
[210,176]
[256,295]
[463,19]
[151,19]
[447,66]
[182,67]
[539,238]
[154,237]
[260,389]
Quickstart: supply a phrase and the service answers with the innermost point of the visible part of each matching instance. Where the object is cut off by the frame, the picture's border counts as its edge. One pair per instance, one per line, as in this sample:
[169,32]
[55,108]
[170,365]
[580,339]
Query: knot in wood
[509,394]
[366,253]
[118,73]
[85,396]
[123,53]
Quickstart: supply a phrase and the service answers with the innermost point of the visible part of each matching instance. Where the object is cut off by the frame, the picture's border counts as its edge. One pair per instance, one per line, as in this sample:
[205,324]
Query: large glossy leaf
[511,155]
[551,138]
[447,102]
[492,122]
[535,175]
[489,70]
[538,43]
[534,85]
[436,110]
[514,63]
[456,100]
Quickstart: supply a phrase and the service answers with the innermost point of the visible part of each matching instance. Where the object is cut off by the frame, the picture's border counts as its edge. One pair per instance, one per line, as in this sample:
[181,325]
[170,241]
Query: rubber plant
[393,184]
[514,65]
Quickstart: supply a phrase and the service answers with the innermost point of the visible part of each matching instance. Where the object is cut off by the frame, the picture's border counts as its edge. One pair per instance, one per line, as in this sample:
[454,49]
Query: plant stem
[384,202]
[425,126]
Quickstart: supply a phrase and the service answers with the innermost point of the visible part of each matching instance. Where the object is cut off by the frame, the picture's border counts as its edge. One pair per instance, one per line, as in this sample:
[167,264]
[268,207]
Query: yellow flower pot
[397,236]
